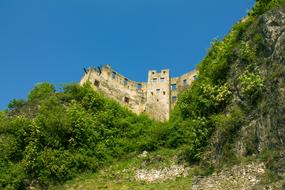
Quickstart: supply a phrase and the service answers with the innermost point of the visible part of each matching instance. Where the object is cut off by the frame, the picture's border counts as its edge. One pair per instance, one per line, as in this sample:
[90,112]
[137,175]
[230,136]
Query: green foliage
[247,53]
[192,135]
[67,133]
[214,67]
[41,90]
[262,6]
[14,104]
[12,176]
[251,85]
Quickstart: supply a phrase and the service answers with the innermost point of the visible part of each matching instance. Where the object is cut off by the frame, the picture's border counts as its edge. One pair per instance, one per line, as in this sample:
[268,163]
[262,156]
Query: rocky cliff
[254,120]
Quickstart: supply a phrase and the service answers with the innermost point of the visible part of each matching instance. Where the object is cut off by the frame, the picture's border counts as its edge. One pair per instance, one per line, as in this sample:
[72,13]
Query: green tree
[41,90]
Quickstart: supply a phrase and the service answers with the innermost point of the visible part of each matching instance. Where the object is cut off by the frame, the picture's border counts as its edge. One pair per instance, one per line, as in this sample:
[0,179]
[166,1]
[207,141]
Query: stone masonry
[156,97]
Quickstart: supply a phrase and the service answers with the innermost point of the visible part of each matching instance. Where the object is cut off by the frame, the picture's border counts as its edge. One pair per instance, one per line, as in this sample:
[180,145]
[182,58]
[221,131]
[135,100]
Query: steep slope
[257,83]
[240,95]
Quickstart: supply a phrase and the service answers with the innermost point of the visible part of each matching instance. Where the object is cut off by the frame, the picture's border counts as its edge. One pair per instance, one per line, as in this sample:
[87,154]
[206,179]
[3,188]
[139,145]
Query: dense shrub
[65,134]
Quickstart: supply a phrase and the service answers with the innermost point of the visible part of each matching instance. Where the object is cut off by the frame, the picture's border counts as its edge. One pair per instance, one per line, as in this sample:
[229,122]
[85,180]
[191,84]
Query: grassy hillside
[232,114]
[120,174]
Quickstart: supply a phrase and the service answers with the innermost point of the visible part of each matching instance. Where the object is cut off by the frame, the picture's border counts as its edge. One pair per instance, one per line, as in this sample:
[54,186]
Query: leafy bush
[262,6]
[41,90]
[251,85]
[67,133]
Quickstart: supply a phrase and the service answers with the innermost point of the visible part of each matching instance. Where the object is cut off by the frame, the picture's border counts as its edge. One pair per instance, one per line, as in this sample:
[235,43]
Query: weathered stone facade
[156,97]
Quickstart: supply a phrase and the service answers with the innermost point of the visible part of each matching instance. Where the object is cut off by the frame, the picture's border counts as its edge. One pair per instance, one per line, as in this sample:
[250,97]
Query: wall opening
[127,100]
[158,91]
[154,80]
[162,79]
[174,98]
[126,81]
[164,93]
[96,83]
[173,87]
[139,86]
[114,75]
[185,82]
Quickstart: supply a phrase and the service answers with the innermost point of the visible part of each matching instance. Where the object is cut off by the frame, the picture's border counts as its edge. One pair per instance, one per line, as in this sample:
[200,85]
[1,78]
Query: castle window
[96,83]
[139,86]
[157,100]
[185,82]
[162,79]
[173,87]
[195,77]
[114,75]
[157,91]
[174,98]
[154,80]
[164,92]
[164,72]
[126,81]
[153,72]
[127,100]
[151,93]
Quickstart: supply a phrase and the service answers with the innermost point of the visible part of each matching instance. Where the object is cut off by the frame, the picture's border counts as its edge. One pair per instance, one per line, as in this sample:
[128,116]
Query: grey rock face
[262,130]
[272,26]
[265,125]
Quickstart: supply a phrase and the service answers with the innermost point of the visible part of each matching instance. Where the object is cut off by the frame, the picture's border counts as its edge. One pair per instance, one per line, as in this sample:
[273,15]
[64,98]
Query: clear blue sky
[53,40]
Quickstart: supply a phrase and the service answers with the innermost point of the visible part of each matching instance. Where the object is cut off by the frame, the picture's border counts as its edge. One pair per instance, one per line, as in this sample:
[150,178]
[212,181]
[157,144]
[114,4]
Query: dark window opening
[157,91]
[153,73]
[162,79]
[154,79]
[127,100]
[185,82]
[114,75]
[96,83]
[164,72]
[164,92]
[139,86]
[126,81]
[157,100]
[173,87]
[151,93]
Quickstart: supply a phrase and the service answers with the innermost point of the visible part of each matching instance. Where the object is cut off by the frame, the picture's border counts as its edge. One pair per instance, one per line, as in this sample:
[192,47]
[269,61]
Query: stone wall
[156,97]
[179,84]
[128,93]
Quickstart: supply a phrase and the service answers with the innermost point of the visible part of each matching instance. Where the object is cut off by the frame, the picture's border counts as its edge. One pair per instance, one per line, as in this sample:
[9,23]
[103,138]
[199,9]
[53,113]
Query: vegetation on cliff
[233,111]
[54,136]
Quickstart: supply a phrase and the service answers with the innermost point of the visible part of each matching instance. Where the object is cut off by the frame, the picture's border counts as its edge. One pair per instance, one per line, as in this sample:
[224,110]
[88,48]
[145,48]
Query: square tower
[158,94]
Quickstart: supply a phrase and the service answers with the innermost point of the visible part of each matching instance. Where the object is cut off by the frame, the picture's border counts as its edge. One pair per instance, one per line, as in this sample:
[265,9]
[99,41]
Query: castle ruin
[156,97]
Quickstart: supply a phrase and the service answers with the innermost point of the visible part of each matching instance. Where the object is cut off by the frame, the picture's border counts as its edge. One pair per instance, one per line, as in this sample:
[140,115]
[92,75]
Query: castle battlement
[157,96]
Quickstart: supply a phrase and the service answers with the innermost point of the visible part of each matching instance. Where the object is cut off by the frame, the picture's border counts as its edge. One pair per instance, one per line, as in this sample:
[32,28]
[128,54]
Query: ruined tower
[158,94]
